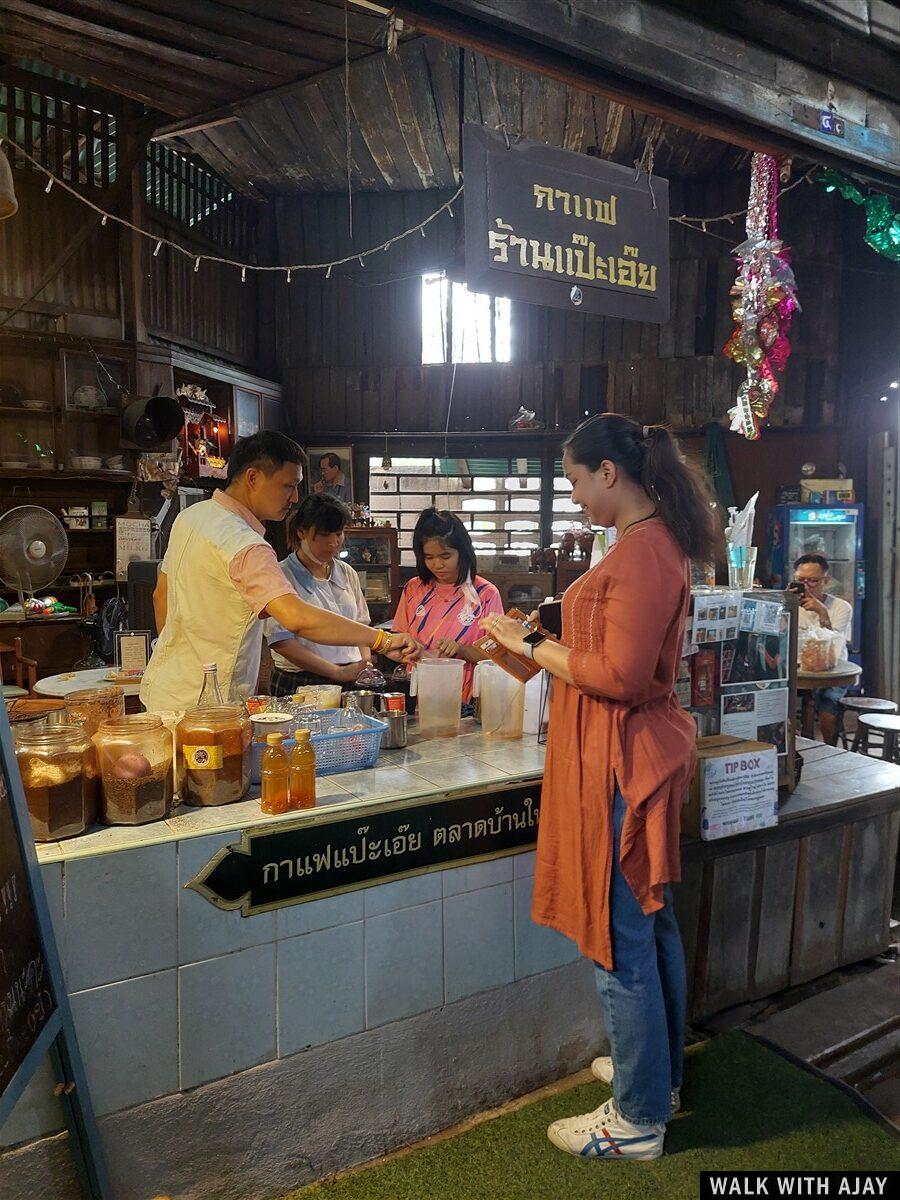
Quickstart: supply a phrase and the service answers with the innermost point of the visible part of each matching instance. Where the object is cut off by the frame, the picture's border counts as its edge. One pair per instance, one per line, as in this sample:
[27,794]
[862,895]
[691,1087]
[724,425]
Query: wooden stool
[885,724]
[860,705]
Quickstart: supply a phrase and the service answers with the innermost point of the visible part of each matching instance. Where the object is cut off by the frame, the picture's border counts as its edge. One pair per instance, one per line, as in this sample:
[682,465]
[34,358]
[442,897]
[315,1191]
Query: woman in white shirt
[316,531]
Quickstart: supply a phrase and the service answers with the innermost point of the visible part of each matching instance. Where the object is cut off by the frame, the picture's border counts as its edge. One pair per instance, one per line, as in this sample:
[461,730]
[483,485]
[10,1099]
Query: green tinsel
[882,213]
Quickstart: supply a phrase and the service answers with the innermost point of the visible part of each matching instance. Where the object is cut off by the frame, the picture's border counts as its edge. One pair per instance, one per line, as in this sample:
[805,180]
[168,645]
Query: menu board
[26,1000]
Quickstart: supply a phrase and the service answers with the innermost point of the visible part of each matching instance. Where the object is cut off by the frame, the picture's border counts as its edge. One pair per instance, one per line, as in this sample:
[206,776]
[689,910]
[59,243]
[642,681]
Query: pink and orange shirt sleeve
[258,577]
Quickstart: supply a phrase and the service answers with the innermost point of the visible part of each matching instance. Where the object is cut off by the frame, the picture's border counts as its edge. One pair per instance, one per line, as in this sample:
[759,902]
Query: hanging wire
[347,114]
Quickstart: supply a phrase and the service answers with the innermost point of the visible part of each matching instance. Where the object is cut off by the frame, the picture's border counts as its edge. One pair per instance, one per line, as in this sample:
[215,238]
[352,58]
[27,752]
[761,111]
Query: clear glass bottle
[303,772]
[210,693]
[275,780]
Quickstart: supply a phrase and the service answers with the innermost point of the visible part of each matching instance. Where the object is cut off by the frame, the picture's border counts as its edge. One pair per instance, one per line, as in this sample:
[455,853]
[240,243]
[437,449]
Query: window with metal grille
[186,190]
[566,515]
[459,326]
[61,126]
[497,499]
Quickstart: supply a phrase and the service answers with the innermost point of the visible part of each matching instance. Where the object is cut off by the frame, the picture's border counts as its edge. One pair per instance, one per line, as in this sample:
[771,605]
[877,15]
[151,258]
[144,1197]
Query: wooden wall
[31,241]
[348,348]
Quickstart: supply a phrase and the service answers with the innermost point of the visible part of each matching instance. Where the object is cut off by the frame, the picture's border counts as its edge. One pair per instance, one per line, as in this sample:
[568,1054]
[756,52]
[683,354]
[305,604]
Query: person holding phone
[620,755]
[820,608]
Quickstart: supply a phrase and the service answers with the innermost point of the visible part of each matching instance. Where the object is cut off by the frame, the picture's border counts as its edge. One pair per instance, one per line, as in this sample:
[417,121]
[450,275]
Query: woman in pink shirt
[443,605]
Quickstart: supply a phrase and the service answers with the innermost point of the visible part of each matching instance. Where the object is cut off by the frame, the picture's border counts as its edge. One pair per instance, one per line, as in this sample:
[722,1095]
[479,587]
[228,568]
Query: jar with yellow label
[214,755]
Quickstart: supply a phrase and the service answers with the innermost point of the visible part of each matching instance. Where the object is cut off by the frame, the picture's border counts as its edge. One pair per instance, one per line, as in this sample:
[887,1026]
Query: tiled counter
[171,994]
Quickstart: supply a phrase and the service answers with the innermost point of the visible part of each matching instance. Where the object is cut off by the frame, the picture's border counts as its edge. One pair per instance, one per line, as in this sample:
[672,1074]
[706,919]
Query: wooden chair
[15,666]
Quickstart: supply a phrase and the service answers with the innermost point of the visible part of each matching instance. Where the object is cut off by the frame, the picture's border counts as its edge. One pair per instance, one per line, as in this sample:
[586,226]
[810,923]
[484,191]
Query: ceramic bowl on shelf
[87,397]
[36,403]
[86,462]
[14,464]
[115,463]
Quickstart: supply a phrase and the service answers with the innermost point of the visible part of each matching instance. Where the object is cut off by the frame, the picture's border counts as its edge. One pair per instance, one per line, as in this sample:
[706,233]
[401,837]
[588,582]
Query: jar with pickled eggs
[134,754]
[213,749]
[52,762]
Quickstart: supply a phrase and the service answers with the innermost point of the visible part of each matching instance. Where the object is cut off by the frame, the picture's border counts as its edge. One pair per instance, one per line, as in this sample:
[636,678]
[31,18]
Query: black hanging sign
[551,227]
[325,855]
[35,1016]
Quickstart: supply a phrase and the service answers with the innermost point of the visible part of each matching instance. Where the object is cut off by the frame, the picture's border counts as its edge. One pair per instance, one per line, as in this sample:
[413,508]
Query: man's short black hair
[818,560]
[333,460]
[267,450]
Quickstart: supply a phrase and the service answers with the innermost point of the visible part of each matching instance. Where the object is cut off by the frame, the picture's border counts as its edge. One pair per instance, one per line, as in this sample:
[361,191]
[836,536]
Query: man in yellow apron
[220,578]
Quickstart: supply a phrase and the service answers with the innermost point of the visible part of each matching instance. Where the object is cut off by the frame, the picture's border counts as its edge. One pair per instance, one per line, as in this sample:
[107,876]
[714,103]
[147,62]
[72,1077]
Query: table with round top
[844,675]
[75,681]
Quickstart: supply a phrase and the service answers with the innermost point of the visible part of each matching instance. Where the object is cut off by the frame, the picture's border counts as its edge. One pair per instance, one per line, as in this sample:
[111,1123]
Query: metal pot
[363,701]
[394,737]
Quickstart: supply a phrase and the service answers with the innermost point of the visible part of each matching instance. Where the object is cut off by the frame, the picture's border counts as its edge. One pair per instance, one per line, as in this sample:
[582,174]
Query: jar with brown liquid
[89,707]
[52,761]
[214,755]
[135,759]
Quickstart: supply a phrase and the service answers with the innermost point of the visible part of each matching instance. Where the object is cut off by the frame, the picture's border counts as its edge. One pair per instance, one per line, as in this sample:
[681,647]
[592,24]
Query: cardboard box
[734,789]
[827,491]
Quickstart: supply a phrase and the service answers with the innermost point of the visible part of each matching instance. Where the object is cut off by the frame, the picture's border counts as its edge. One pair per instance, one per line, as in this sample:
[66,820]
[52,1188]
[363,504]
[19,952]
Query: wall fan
[33,550]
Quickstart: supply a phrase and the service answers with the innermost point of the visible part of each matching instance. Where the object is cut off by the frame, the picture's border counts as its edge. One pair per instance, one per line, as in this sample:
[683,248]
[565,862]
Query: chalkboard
[26,998]
[35,1014]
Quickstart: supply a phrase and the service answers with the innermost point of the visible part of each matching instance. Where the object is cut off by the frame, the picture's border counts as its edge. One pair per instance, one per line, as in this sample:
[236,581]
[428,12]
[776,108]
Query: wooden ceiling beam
[521,34]
[366,27]
[152,92]
[277,64]
[60,26]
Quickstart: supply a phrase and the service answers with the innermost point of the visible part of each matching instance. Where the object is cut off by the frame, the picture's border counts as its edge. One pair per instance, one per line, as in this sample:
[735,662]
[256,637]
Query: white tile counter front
[160,978]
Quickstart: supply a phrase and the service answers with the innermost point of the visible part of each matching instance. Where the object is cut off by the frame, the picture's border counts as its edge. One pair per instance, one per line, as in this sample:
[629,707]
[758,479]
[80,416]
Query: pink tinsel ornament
[765,297]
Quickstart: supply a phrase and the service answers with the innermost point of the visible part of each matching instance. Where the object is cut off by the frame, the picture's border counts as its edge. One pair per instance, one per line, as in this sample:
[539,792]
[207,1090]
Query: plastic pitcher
[439,685]
[502,701]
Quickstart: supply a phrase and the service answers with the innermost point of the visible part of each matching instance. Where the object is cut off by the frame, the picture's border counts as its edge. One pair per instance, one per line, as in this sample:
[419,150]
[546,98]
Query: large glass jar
[135,759]
[52,761]
[89,707]
[214,755]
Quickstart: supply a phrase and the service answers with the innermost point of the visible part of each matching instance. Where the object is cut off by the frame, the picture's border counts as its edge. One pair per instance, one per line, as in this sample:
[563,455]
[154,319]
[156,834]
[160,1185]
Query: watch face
[534,639]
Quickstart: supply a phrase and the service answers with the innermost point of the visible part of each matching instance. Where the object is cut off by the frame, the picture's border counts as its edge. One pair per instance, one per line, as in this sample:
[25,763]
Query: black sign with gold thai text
[551,227]
[276,866]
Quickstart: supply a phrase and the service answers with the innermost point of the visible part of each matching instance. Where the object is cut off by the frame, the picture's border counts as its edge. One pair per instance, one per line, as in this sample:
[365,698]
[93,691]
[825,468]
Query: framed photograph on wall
[331,472]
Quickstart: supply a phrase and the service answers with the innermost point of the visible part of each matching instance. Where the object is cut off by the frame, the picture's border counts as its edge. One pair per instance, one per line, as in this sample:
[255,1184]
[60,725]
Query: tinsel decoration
[764,297]
[882,213]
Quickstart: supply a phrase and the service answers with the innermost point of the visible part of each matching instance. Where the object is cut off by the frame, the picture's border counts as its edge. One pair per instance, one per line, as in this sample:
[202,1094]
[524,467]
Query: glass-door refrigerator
[835,531]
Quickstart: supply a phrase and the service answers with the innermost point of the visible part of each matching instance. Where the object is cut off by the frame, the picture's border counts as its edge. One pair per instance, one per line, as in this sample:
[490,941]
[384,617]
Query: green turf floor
[746,1108]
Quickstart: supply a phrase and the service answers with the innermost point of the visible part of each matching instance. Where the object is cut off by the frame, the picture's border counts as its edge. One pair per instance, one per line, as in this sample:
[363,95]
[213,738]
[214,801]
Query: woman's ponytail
[682,495]
[651,456]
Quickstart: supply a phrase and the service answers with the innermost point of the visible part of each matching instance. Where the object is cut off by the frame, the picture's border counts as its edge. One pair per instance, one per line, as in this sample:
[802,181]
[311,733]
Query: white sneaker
[602,1069]
[604,1133]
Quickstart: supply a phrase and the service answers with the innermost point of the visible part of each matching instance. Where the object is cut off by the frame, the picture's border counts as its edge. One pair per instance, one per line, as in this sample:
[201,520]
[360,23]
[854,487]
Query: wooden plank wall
[30,241]
[348,348]
[208,310]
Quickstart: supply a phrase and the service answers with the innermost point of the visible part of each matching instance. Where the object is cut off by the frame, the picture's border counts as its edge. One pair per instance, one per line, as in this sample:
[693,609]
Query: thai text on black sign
[26,1001]
[275,867]
[552,227]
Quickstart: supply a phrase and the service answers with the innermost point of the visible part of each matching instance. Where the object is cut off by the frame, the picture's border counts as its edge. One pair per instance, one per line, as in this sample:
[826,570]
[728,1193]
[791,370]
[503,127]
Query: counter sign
[556,228]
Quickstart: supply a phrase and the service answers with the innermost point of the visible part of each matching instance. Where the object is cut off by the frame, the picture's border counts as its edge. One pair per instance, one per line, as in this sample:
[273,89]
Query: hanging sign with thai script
[551,227]
[287,864]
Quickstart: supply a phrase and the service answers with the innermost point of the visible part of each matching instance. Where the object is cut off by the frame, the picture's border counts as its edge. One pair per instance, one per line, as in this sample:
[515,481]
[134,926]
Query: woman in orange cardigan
[619,760]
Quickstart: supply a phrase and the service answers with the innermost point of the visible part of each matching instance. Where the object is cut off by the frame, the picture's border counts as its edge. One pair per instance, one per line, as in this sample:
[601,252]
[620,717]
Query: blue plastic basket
[342,749]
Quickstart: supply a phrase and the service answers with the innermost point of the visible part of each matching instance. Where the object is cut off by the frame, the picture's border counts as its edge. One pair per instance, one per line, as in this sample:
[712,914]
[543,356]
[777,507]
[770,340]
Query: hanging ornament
[764,297]
[882,213]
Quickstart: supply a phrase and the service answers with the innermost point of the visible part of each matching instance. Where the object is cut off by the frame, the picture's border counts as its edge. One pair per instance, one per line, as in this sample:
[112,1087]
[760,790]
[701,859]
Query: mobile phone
[798,586]
[550,617]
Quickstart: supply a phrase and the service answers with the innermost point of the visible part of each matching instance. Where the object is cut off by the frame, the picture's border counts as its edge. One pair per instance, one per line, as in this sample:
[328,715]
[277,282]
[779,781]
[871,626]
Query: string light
[157,249]
[49,181]
[289,274]
[197,264]
[105,219]
[243,274]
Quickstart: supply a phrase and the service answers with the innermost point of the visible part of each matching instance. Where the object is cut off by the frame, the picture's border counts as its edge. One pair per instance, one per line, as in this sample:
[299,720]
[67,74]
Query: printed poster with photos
[716,617]
[755,697]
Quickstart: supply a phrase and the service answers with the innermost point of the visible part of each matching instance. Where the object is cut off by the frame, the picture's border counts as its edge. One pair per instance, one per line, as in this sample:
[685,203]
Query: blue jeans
[644,999]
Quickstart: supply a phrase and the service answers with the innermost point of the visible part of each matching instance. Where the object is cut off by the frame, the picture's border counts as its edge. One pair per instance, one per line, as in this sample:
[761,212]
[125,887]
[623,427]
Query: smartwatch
[532,641]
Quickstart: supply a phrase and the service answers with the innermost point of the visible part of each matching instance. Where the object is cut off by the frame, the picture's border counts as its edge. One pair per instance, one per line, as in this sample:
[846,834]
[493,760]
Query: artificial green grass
[746,1108]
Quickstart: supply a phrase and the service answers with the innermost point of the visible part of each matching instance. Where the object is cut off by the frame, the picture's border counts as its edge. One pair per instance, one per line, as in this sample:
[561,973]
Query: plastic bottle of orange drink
[275,793]
[303,772]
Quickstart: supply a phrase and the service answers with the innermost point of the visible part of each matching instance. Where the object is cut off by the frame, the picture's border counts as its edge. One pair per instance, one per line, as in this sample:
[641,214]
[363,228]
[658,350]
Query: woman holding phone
[620,755]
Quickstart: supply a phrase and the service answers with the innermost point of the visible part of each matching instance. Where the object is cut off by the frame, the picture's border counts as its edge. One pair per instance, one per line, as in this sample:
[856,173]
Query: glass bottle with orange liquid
[275,796]
[303,772]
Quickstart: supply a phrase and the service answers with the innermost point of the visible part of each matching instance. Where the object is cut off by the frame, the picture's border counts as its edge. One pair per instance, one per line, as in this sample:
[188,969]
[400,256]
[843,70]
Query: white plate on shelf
[14,464]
